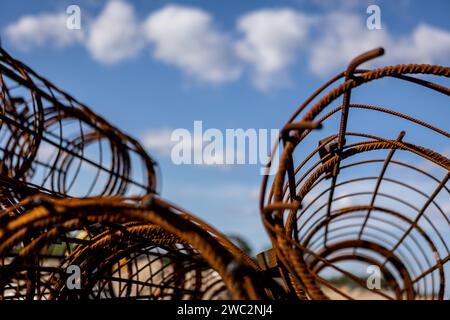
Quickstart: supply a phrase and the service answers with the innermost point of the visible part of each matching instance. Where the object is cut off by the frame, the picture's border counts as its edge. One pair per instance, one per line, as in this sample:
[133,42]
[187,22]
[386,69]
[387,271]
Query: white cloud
[187,38]
[338,4]
[115,34]
[270,43]
[426,44]
[344,36]
[42,30]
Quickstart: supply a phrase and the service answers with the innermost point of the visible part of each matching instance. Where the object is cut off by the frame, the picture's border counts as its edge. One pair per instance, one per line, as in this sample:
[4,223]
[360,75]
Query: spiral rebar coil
[129,248]
[348,197]
[76,191]
[52,143]
[71,194]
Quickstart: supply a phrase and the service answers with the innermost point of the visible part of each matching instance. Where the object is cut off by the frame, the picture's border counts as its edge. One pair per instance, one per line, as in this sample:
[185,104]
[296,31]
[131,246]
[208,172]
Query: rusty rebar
[324,221]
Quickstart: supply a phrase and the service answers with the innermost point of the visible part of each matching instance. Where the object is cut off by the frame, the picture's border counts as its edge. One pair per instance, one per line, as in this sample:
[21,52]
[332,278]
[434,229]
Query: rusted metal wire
[52,143]
[125,248]
[76,191]
[328,214]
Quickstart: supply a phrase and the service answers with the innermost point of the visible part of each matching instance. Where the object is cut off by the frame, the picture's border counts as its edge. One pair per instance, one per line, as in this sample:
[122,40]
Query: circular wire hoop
[51,143]
[79,212]
[110,248]
[358,207]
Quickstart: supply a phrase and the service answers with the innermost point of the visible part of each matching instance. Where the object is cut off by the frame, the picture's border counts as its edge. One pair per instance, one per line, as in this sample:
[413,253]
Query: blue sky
[152,66]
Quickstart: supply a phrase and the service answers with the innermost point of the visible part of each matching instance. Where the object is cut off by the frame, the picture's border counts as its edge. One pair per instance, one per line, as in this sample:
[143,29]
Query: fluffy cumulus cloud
[265,42]
[42,30]
[426,44]
[115,34]
[270,41]
[345,35]
[187,38]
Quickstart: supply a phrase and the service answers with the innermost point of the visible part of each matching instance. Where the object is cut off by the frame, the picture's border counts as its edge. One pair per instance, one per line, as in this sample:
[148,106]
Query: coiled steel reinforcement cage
[76,193]
[363,189]
[348,198]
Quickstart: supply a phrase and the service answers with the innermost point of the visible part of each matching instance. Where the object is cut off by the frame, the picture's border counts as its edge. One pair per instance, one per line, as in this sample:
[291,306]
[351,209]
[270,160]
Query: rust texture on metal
[326,209]
[77,191]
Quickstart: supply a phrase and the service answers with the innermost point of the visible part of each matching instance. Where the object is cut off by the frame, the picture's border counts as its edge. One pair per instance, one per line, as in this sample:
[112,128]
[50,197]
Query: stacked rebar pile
[348,197]
[79,195]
